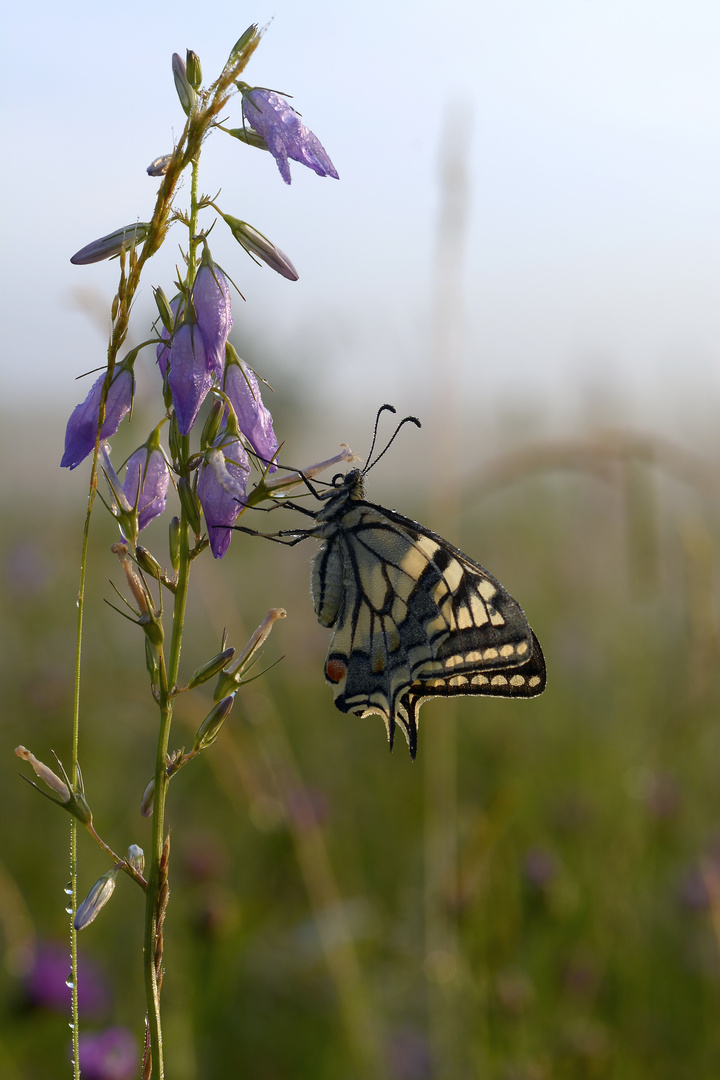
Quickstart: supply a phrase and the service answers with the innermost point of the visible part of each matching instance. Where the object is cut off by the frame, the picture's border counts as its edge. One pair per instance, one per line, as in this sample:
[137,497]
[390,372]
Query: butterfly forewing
[413,617]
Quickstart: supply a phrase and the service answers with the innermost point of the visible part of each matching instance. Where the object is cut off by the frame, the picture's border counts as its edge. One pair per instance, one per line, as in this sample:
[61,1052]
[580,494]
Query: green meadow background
[537,896]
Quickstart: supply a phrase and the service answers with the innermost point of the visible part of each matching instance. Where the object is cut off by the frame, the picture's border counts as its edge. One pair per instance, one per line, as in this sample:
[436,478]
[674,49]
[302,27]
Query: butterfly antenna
[381,410]
[406,420]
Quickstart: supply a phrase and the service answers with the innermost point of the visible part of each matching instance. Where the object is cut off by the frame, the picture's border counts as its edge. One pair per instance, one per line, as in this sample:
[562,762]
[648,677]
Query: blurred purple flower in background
[46,986]
[211,300]
[82,426]
[284,132]
[409,1056]
[221,489]
[254,420]
[112,1054]
[146,483]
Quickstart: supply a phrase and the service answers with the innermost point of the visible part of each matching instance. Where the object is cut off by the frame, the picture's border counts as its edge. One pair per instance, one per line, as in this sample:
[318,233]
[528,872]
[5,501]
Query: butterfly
[412,616]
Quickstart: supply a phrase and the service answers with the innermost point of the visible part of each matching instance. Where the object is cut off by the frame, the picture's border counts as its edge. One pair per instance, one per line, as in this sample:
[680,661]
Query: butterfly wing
[415,618]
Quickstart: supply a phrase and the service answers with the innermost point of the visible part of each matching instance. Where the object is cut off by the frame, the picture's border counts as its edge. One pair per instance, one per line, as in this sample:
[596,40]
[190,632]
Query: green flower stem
[168,682]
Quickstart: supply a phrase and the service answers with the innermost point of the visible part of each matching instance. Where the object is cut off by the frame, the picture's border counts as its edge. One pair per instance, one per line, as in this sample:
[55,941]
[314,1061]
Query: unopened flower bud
[250,37]
[193,69]
[189,503]
[211,668]
[246,135]
[151,662]
[147,561]
[146,803]
[95,900]
[211,427]
[258,246]
[159,166]
[174,543]
[209,730]
[164,309]
[107,247]
[136,858]
[184,90]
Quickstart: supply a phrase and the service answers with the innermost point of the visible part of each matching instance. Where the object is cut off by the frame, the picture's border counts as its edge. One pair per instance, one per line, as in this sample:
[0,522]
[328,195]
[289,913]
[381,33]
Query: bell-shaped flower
[190,377]
[146,482]
[221,488]
[95,900]
[82,427]
[284,132]
[254,419]
[211,300]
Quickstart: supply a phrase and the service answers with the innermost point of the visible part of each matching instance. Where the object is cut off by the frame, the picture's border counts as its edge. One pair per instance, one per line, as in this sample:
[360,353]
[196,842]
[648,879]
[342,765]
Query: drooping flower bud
[254,420]
[189,503]
[221,488]
[207,671]
[246,135]
[95,900]
[211,427]
[284,132]
[159,165]
[82,426]
[107,247]
[211,300]
[193,69]
[136,858]
[259,247]
[185,91]
[174,543]
[146,803]
[209,730]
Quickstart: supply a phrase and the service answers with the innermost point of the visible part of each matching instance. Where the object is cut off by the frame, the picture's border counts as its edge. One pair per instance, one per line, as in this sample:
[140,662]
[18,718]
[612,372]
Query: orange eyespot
[335,670]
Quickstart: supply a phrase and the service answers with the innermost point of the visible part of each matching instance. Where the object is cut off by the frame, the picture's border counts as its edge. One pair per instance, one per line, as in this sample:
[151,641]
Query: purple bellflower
[254,419]
[211,300]
[81,430]
[284,132]
[147,478]
[190,376]
[222,487]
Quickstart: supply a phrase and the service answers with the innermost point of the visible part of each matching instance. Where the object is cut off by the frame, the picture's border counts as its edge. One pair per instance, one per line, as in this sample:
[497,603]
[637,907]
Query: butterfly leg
[289,537]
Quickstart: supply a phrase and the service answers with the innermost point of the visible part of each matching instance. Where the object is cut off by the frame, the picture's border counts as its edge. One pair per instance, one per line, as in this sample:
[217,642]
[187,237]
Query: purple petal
[255,421]
[286,135]
[82,426]
[189,378]
[211,300]
[220,507]
[151,471]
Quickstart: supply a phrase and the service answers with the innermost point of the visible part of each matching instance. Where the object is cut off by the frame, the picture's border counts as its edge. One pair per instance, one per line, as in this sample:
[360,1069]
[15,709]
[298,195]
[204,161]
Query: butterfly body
[412,616]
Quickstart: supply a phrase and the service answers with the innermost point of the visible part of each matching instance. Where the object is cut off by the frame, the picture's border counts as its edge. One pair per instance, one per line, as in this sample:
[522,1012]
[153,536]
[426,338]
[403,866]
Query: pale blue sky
[593,154]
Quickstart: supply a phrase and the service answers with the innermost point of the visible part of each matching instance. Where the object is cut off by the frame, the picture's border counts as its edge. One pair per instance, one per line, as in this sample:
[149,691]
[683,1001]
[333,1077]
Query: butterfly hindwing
[413,617]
